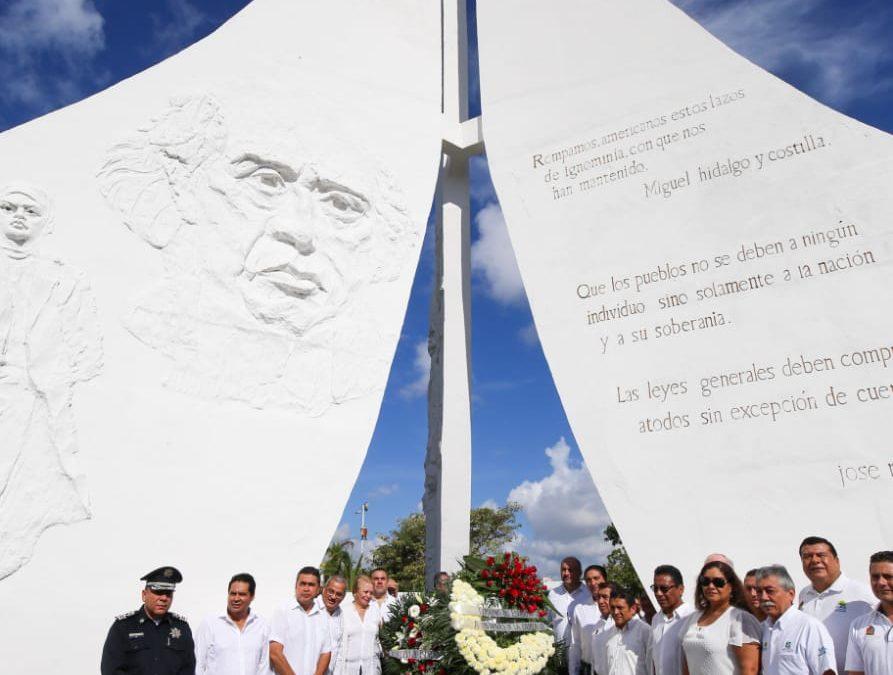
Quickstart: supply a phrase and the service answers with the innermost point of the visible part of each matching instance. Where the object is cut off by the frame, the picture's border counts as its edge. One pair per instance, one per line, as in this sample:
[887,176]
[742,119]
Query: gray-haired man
[794,643]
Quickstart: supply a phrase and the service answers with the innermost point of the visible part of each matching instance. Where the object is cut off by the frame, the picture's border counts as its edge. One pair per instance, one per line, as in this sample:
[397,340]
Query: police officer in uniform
[151,640]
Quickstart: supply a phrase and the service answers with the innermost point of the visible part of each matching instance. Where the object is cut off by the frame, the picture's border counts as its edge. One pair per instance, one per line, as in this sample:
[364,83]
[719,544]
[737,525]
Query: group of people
[313,633]
[737,626]
[749,625]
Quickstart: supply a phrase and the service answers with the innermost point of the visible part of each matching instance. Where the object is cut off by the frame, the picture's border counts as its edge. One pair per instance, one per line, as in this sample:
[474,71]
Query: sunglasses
[662,589]
[718,582]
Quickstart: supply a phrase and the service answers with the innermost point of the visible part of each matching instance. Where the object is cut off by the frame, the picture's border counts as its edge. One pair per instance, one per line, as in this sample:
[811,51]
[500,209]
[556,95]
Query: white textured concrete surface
[698,239]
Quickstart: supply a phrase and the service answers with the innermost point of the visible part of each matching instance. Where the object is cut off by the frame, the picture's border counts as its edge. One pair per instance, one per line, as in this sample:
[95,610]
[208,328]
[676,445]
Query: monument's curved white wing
[203,276]
[707,253]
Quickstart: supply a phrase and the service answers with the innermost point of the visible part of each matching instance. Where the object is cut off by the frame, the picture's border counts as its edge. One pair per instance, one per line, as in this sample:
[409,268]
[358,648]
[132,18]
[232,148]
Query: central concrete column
[447,500]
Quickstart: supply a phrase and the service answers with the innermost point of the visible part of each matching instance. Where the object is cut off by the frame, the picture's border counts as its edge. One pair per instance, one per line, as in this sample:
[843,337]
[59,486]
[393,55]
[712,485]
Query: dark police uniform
[136,644]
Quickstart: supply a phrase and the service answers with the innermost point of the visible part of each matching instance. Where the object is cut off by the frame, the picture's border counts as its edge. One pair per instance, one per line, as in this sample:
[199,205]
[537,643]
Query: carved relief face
[259,225]
[22,217]
[294,238]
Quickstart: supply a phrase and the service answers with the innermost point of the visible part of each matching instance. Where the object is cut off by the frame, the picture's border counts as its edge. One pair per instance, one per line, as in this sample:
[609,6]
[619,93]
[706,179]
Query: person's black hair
[609,584]
[573,562]
[245,578]
[738,598]
[751,573]
[600,568]
[882,556]
[812,541]
[624,594]
[310,570]
[670,571]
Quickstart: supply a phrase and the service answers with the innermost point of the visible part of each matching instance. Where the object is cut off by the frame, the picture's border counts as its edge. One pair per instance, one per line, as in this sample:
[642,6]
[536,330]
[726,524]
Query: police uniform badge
[175,632]
[869,630]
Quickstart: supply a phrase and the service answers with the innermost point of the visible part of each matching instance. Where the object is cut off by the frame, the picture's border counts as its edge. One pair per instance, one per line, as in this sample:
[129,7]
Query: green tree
[620,568]
[492,529]
[402,551]
[338,560]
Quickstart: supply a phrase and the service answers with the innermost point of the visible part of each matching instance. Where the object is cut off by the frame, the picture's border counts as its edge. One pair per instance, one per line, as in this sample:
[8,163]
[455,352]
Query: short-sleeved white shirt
[709,650]
[627,650]
[336,622]
[222,649]
[566,603]
[666,638]
[797,644]
[384,608]
[587,622]
[303,634]
[870,648]
[837,607]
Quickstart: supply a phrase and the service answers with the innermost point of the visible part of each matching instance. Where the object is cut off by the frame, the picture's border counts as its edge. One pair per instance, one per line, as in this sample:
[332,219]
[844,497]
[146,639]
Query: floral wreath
[492,621]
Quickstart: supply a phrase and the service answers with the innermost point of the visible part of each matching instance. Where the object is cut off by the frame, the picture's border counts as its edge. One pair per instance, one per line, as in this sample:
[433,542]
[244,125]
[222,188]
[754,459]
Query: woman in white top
[722,637]
[359,651]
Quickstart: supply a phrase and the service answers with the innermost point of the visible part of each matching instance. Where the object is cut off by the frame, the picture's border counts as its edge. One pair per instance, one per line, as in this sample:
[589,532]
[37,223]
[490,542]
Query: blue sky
[55,52]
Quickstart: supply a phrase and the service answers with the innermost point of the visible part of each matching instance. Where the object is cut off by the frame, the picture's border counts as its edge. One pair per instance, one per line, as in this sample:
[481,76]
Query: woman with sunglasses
[722,637]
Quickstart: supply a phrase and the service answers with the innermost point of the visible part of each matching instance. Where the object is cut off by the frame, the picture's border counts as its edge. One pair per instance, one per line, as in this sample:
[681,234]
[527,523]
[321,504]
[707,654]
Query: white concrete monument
[203,277]
[707,253]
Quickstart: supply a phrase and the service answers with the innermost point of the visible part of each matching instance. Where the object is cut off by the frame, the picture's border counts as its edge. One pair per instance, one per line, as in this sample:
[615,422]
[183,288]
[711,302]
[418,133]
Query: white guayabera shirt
[587,623]
[797,644]
[666,633]
[304,635]
[837,607]
[222,649]
[384,608]
[628,649]
[336,623]
[870,649]
[565,603]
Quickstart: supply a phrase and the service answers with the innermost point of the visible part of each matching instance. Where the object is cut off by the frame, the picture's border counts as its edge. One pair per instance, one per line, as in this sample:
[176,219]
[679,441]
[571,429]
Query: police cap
[162,579]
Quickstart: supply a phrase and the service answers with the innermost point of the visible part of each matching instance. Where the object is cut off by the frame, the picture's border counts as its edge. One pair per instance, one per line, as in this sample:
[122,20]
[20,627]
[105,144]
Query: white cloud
[342,533]
[564,512]
[46,52]
[384,490]
[493,258]
[835,62]
[73,26]
[529,336]
[180,30]
[421,365]
[480,184]
[489,504]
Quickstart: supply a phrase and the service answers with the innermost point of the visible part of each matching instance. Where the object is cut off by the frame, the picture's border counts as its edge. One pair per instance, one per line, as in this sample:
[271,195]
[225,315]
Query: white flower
[414,611]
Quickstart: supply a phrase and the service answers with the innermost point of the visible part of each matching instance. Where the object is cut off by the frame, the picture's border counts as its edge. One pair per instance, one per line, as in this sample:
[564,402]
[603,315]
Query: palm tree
[338,560]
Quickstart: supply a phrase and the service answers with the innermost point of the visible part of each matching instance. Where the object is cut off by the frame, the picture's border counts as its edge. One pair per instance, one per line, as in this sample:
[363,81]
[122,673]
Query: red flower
[542,613]
[485,574]
[490,561]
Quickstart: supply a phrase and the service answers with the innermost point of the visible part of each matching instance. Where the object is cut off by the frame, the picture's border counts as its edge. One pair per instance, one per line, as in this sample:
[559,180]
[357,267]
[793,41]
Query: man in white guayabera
[49,342]
[271,261]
